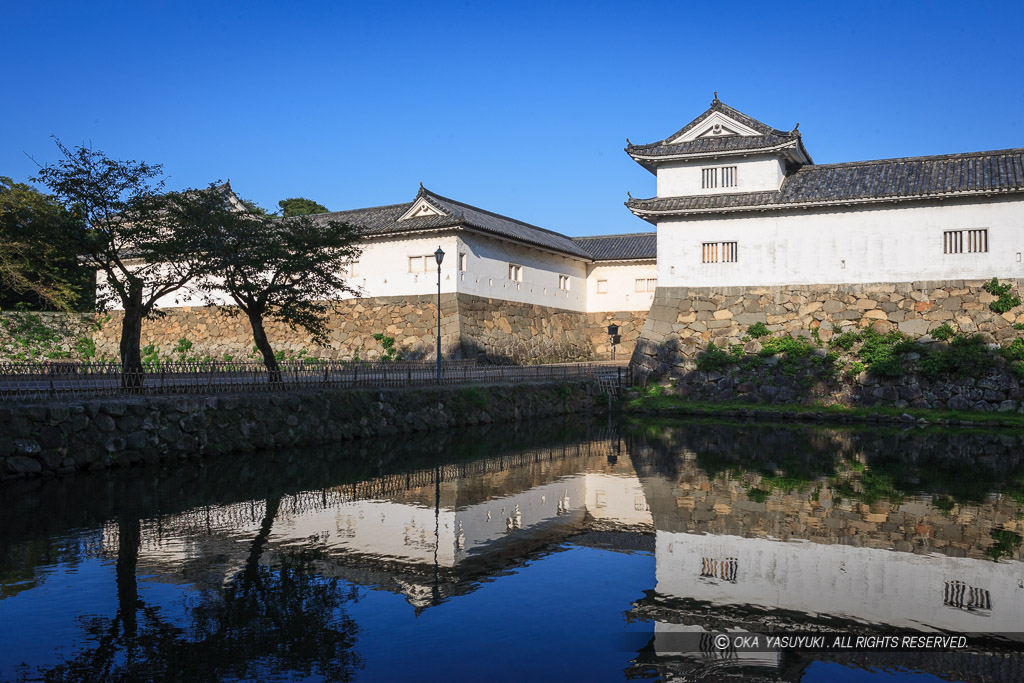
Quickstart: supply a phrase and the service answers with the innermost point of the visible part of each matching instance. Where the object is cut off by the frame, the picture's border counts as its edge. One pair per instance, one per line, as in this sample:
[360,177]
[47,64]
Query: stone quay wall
[216,332]
[683,320]
[62,438]
[471,327]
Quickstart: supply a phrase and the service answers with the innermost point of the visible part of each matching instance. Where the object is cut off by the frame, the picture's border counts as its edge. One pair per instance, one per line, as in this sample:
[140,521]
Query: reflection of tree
[265,620]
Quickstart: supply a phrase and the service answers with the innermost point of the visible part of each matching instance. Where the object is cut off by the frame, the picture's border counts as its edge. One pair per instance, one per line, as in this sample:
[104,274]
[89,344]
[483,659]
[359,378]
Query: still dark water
[560,550]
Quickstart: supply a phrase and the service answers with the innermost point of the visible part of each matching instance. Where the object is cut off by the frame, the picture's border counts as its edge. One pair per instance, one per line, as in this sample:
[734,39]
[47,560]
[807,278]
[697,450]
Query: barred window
[563,283]
[719,252]
[711,177]
[515,272]
[965,241]
[962,596]
[646,284]
[724,569]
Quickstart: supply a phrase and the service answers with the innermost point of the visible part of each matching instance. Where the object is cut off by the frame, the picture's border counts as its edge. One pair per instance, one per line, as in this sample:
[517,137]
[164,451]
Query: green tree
[300,206]
[143,242]
[287,269]
[38,265]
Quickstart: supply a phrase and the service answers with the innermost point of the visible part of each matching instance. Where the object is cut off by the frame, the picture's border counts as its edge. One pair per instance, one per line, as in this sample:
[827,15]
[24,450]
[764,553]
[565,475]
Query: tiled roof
[907,179]
[641,245]
[770,138]
[383,220]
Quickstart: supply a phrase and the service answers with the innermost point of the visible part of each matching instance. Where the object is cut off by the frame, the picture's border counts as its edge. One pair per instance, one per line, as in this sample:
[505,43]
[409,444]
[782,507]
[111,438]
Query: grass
[676,404]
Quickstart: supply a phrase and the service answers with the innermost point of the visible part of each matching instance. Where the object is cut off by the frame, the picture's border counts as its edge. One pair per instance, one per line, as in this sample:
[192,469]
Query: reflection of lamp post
[439,255]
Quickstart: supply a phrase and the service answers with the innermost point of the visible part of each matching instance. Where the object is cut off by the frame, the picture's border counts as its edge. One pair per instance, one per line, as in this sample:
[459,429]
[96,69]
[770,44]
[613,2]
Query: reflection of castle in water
[436,532]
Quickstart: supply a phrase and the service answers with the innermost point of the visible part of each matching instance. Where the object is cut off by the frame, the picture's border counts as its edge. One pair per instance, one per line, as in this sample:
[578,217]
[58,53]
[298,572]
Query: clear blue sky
[521,108]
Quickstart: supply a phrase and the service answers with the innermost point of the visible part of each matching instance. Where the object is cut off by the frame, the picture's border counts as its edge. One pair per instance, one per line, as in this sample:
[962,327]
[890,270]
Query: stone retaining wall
[683,320]
[471,327]
[215,332]
[46,439]
[996,390]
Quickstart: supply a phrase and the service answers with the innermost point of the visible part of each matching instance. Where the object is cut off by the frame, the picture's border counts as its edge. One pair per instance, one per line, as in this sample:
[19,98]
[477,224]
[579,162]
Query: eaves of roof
[977,174]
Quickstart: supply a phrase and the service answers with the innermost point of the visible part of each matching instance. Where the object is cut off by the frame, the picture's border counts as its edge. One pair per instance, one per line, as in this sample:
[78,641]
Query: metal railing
[37,381]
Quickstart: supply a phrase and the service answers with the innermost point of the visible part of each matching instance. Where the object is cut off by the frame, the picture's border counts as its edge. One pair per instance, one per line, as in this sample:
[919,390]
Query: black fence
[35,381]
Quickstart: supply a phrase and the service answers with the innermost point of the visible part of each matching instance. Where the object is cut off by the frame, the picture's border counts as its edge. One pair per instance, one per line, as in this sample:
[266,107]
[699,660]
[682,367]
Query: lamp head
[439,255]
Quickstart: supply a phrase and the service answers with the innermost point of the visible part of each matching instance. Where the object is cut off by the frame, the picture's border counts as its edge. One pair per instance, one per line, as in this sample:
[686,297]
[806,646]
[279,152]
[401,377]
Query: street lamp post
[439,255]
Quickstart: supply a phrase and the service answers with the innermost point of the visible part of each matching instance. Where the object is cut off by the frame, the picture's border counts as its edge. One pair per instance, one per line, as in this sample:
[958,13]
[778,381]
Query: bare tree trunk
[259,336]
[131,342]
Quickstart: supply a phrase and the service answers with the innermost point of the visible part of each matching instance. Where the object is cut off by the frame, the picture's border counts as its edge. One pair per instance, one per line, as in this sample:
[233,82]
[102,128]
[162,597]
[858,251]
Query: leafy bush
[884,354]
[943,332]
[1006,300]
[390,353]
[795,347]
[845,341]
[966,356]
[1015,351]
[714,358]
[757,330]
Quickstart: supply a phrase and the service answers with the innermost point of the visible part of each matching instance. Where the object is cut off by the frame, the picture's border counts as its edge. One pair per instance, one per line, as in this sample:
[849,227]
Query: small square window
[602,286]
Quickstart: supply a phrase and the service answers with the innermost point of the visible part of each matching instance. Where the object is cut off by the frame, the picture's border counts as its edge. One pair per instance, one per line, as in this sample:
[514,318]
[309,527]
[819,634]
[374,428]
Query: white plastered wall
[620,278]
[753,174]
[487,273]
[849,245]
[867,584]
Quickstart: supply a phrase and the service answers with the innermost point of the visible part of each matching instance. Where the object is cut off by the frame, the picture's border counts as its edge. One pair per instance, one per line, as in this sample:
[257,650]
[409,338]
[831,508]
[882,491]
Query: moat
[570,549]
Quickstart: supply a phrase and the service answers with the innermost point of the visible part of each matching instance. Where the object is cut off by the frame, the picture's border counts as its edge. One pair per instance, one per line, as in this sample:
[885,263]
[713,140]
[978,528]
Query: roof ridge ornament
[796,129]
[716,100]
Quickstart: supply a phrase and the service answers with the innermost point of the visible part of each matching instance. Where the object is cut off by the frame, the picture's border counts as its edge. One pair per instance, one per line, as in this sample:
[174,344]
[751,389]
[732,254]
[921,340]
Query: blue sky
[521,108]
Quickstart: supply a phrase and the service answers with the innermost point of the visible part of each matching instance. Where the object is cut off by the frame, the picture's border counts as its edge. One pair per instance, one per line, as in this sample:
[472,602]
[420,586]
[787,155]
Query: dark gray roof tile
[383,220]
[641,245]
[769,138]
[906,179]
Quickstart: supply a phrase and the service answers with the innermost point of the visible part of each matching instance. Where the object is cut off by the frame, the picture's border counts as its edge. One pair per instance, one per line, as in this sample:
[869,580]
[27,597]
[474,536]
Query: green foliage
[756,495]
[390,353]
[150,354]
[38,260]
[31,338]
[856,367]
[816,336]
[714,358]
[1015,350]
[845,341]
[1017,369]
[477,397]
[883,354]
[943,332]
[1018,326]
[300,206]
[757,330]
[793,347]
[286,269]
[1005,543]
[966,356]
[1006,300]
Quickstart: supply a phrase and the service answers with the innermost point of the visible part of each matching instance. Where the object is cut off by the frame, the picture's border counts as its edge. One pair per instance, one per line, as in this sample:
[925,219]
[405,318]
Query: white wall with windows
[621,285]
[725,175]
[501,269]
[862,583]
[859,244]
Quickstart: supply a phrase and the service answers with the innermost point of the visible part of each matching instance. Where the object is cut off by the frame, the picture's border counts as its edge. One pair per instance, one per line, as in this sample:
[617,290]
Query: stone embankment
[682,320]
[996,390]
[62,438]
